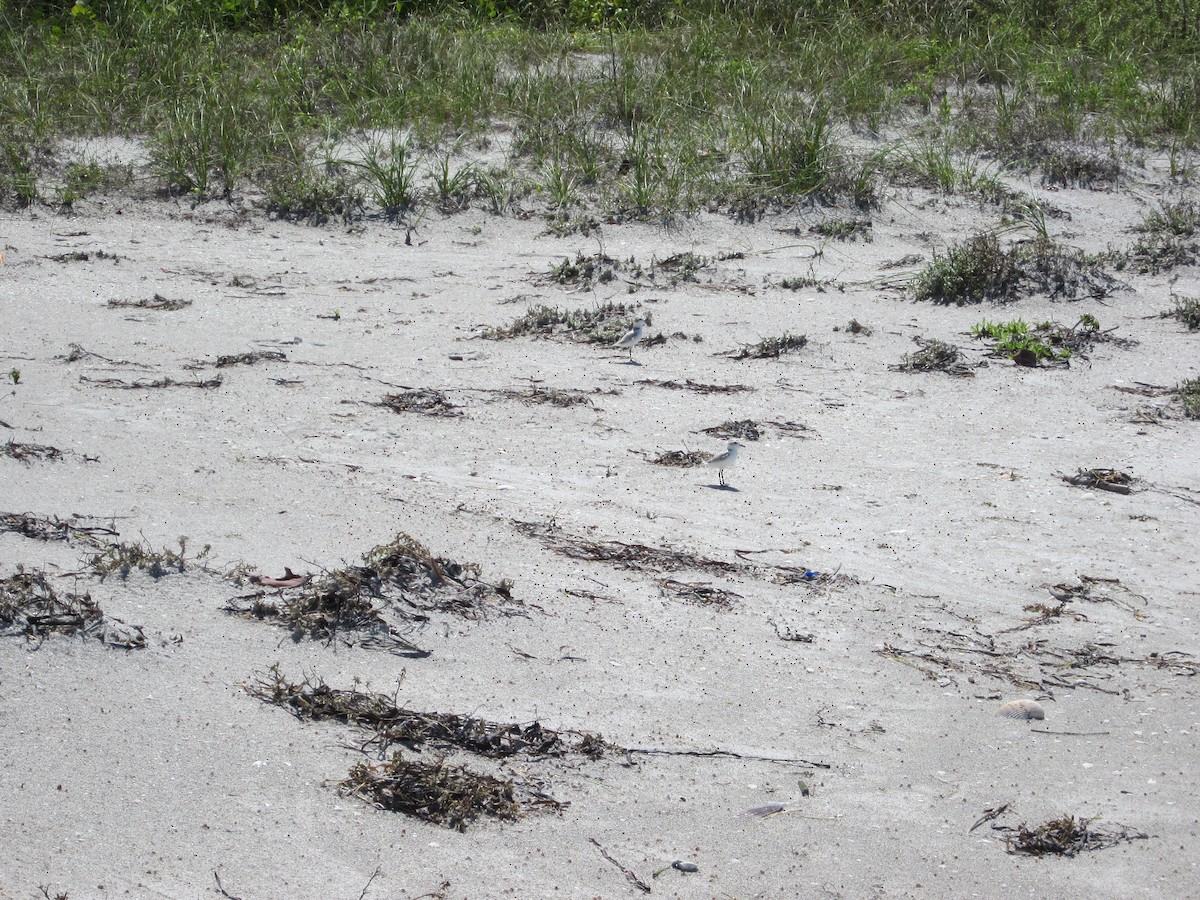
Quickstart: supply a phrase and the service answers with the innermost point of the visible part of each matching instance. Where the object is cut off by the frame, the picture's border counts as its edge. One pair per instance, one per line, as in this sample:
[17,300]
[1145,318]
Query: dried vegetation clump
[681,458]
[1068,836]
[768,348]
[1112,480]
[158,301]
[452,796]
[389,724]
[434,791]
[28,453]
[30,606]
[935,356]
[601,324]
[398,585]
[249,359]
[425,401]
[1167,238]
[52,528]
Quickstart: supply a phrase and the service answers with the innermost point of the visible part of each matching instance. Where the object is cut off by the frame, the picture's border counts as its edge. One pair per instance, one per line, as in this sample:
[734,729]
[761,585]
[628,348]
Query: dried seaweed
[768,348]
[425,401]
[698,592]
[452,796]
[750,430]
[603,323]
[1112,480]
[52,529]
[640,557]
[204,383]
[681,458]
[158,301]
[249,359]
[389,724]
[627,556]
[934,356]
[696,386]
[1068,836]
[30,606]
[554,396]
[398,584]
[27,453]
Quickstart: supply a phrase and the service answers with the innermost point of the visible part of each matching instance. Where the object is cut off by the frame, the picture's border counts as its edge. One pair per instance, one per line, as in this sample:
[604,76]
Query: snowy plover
[632,337]
[722,461]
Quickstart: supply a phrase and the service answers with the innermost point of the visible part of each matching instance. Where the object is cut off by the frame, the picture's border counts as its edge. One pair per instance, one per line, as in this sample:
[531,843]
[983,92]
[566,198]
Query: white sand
[142,773]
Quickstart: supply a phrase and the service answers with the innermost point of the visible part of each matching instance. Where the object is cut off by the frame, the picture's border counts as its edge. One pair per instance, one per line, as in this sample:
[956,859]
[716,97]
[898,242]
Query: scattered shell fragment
[1022,709]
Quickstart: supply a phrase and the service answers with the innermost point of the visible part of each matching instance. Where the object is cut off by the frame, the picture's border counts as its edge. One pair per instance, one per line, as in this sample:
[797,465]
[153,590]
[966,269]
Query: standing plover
[632,337]
[722,461]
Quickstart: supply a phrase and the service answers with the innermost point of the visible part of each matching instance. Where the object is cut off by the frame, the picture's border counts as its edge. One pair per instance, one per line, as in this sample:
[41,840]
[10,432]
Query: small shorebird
[723,461]
[632,337]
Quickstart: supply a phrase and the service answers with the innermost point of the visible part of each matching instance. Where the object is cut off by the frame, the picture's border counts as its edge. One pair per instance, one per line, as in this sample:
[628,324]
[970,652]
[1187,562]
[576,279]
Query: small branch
[730,754]
[627,872]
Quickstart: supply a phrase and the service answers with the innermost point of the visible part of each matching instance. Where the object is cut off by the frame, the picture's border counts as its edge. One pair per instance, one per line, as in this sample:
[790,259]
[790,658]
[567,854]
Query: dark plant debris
[30,606]
[750,430]
[398,585]
[1112,480]
[681,458]
[1068,836]
[158,301]
[28,453]
[389,724]
[249,359]
[935,356]
[602,324]
[204,383]
[698,592]
[768,348]
[641,557]
[452,796]
[697,386]
[53,528]
[425,401]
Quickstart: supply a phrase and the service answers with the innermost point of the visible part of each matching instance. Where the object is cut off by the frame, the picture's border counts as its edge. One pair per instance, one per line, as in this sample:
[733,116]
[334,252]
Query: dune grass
[636,108]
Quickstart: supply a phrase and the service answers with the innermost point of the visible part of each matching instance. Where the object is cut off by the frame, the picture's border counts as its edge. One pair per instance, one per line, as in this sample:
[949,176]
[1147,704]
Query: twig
[1072,733]
[367,886]
[989,814]
[221,887]
[627,872]
[728,753]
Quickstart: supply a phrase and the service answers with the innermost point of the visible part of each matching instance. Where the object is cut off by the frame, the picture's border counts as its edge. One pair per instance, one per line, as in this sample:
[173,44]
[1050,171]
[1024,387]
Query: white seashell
[1022,709]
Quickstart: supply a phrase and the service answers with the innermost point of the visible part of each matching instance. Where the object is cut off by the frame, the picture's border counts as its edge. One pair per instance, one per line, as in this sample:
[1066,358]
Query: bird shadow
[722,487]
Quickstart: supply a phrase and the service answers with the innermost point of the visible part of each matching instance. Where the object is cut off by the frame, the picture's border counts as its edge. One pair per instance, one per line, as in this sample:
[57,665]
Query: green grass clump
[1167,238]
[1013,337]
[1188,393]
[1045,341]
[1186,310]
[971,272]
[979,269]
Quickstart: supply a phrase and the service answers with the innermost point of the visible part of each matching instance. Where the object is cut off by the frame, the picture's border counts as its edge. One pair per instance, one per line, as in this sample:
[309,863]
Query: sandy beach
[826,640]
